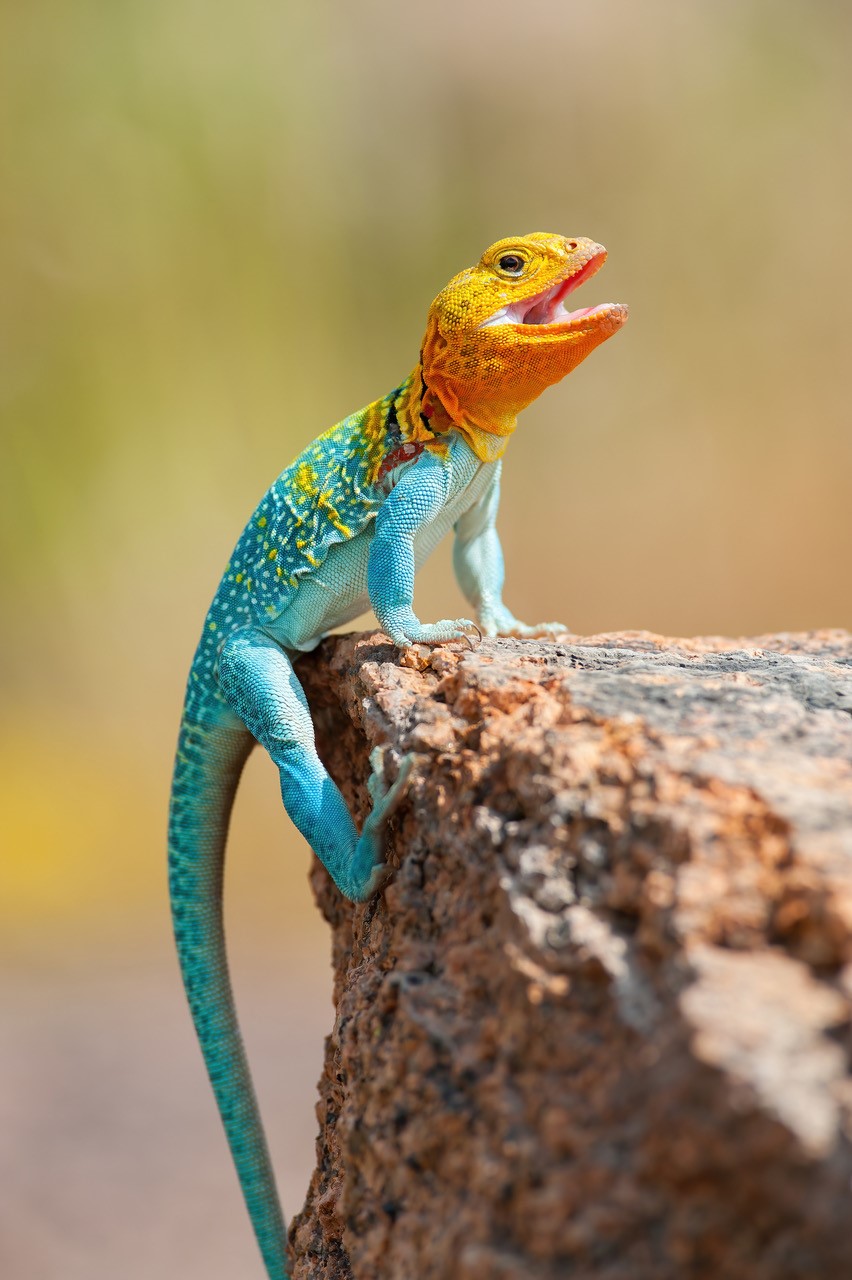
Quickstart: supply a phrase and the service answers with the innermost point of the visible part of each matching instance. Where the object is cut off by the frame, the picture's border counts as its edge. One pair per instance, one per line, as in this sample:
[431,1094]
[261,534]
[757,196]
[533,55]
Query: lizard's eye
[511,264]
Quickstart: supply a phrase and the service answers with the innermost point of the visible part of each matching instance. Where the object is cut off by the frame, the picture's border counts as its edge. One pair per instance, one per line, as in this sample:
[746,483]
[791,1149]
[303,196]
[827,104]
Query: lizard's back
[327,496]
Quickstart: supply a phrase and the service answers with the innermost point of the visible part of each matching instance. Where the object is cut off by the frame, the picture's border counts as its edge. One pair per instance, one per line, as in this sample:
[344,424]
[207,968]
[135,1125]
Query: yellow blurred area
[220,233]
[220,230]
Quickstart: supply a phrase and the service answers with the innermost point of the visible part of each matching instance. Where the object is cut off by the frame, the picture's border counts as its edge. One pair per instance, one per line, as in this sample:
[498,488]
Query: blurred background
[220,229]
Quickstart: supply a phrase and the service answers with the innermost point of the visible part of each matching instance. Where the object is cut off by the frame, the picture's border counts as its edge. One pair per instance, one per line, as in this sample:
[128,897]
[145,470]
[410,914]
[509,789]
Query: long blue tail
[210,759]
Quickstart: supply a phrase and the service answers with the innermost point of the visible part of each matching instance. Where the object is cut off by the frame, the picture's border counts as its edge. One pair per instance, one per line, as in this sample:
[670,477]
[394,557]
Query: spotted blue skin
[330,535]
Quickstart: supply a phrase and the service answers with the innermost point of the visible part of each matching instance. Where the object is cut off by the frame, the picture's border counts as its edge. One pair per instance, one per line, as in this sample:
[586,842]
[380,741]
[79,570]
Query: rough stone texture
[598,1024]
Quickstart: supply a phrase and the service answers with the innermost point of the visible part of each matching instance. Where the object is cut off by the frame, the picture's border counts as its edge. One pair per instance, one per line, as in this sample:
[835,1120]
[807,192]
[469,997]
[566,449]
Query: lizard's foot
[437,632]
[528,631]
[386,798]
[505,623]
[367,872]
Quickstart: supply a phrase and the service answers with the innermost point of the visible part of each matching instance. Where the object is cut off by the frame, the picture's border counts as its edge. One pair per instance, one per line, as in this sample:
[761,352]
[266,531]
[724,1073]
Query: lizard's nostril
[572,244]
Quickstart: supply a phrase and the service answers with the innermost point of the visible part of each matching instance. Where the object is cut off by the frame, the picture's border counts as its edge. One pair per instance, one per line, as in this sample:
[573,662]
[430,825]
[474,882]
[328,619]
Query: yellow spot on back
[306,480]
[261,524]
[325,503]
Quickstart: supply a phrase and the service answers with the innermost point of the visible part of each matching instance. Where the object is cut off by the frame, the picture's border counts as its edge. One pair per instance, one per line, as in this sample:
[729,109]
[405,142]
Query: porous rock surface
[597,1026]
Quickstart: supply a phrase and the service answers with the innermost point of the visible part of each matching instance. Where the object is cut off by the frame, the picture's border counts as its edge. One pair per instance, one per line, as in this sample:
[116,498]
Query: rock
[598,1023]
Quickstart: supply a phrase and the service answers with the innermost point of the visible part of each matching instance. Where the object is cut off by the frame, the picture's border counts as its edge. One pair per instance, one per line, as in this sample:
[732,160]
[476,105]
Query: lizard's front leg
[417,499]
[478,564]
[258,680]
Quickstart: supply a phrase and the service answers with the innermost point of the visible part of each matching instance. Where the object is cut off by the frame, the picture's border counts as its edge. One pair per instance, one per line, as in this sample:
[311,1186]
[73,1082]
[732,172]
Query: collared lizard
[347,524]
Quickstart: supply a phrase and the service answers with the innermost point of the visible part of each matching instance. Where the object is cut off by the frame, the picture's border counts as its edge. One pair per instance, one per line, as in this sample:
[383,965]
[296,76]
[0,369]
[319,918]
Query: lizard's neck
[426,419]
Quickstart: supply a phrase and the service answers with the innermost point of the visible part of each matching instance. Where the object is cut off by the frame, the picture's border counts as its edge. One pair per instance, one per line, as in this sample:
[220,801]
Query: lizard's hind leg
[257,678]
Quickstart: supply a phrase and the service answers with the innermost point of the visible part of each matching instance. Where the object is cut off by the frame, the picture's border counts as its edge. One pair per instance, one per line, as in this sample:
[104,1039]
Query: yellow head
[499,333]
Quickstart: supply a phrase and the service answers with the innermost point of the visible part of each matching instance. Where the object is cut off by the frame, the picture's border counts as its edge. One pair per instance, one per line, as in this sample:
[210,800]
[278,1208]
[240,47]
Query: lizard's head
[499,333]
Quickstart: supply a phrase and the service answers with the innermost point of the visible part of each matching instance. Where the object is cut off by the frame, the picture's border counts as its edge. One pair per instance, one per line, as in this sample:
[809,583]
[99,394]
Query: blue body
[346,524]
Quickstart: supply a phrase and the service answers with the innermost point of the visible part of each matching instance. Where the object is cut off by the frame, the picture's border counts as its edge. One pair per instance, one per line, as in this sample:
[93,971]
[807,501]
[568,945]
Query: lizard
[344,526]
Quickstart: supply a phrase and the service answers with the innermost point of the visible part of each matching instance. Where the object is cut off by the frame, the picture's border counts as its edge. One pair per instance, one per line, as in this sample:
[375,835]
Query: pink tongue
[539,313]
[578,315]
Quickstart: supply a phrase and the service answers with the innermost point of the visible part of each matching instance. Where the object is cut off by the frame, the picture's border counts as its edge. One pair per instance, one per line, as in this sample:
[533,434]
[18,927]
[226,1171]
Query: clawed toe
[446,630]
[531,631]
[385,798]
[469,638]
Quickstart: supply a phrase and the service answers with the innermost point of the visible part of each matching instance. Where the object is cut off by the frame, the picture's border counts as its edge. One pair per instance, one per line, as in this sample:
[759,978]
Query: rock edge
[598,1023]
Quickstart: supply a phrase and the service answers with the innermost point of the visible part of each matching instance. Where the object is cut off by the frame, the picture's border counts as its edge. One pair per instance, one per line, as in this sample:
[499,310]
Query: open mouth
[548,309]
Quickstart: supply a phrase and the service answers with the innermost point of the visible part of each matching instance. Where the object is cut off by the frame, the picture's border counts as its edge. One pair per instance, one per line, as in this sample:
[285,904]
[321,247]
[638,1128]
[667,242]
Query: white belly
[337,592]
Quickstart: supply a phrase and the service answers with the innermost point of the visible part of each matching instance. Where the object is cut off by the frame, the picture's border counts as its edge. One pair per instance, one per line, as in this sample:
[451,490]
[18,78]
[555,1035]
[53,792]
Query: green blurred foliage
[220,228]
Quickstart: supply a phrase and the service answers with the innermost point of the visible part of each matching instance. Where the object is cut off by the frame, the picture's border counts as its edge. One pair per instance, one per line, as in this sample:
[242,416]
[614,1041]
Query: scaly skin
[344,525]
